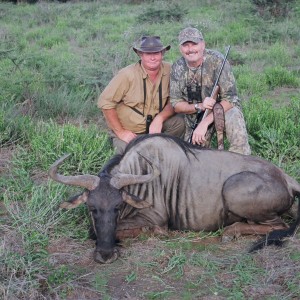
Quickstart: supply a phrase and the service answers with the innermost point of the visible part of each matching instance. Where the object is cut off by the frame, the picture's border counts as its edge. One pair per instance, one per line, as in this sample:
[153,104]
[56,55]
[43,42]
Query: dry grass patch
[180,266]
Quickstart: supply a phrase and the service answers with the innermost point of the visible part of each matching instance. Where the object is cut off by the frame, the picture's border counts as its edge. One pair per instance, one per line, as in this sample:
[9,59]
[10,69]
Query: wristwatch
[197,107]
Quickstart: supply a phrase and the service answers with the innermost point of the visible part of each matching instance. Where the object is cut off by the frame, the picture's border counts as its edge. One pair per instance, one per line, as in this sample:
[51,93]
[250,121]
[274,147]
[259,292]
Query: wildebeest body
[205,189]
[193,189]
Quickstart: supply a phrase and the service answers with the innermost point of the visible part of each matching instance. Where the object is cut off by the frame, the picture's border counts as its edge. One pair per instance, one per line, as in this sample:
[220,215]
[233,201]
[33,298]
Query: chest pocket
[145,94]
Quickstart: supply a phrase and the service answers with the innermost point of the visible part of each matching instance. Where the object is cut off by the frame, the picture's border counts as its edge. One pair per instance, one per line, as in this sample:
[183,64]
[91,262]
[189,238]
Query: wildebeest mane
[185,146]
[105,171]
[115,160]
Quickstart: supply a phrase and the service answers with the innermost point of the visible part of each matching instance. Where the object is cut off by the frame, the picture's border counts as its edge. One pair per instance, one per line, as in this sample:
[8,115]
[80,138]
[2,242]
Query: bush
[274,133]
[23,1]
[278,77]
[273,8]
[12,127]
[172,12]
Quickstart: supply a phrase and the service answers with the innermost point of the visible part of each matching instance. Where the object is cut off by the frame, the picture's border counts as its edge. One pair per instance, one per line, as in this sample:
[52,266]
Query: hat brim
[151,50]
[194,40]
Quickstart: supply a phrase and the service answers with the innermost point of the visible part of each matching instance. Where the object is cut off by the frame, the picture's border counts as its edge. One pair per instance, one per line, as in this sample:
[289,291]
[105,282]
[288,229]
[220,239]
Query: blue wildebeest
[162,182]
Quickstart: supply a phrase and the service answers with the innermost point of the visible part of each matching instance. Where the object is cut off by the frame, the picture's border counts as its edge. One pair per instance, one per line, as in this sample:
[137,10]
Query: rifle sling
[219,123]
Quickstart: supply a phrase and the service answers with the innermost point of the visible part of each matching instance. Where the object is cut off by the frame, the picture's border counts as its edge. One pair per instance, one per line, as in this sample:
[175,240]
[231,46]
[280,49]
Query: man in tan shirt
[136,101]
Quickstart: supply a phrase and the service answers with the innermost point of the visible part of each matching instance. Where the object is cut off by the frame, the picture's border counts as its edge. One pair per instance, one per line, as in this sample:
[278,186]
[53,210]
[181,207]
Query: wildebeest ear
[134,201]
[75,201]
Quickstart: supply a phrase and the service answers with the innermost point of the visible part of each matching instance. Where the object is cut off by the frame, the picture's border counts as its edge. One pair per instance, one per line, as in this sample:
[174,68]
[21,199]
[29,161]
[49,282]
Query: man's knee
[236,131]
[175,126]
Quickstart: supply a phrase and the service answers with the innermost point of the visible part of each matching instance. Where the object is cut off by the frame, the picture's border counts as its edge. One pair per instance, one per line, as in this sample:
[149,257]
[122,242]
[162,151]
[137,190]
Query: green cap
[190,34]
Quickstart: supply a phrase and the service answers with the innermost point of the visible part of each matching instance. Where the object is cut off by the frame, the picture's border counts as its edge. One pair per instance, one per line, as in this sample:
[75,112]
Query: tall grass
[274,133]
[68,52]
[55,59]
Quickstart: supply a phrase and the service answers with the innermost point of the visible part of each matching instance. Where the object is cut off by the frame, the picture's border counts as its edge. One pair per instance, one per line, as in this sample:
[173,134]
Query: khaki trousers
[174,126]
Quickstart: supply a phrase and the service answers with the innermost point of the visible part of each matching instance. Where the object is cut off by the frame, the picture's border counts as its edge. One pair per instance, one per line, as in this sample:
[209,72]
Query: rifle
[203,114]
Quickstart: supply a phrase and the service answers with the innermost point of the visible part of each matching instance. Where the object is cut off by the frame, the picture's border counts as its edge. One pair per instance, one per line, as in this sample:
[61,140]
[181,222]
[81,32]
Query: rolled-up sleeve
[114,92]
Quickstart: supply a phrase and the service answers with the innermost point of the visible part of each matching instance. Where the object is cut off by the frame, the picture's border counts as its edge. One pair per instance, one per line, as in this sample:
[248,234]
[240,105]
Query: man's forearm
[112,120]
[166,113]
[186,108]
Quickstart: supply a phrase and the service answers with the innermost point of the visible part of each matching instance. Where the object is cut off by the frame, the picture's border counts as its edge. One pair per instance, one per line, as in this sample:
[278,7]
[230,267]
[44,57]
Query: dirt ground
[209,268]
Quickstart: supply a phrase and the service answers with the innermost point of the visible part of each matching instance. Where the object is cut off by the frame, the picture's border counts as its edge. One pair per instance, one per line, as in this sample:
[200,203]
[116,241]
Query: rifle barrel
[200,114]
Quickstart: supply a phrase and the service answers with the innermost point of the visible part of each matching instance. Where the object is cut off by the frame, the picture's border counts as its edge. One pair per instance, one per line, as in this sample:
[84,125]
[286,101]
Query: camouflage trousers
[235,131]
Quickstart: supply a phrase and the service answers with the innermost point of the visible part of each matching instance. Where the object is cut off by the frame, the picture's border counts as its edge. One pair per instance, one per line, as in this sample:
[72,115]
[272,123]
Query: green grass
[55,59]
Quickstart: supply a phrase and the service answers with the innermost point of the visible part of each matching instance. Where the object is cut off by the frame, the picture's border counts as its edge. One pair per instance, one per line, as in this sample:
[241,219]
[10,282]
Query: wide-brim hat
[150,44]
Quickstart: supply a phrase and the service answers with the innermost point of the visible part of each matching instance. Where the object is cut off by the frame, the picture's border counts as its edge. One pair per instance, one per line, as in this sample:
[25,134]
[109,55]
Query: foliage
[273,8]
[278,77]
[274,132]
[12,128]
[55,59]
[172,12]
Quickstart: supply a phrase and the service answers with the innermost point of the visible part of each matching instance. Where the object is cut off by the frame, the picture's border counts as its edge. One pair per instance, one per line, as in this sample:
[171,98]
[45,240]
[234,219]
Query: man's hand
[156,125]
[115,125]
[199,134]
[208,103]
[125,135]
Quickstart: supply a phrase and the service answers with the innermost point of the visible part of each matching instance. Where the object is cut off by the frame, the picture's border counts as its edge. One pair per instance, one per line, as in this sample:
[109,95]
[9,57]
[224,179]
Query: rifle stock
[201,115]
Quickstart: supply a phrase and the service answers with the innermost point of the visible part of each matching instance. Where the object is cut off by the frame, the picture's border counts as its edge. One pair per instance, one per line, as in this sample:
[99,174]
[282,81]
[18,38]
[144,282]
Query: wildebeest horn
[120,180]
[89,182]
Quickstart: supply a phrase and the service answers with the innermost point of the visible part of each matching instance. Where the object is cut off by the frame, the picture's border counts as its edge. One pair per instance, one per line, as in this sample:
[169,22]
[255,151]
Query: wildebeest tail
[277,237]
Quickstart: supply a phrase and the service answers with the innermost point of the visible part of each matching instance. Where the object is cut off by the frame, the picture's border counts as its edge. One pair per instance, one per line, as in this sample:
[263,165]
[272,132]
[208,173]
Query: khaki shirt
[126,91]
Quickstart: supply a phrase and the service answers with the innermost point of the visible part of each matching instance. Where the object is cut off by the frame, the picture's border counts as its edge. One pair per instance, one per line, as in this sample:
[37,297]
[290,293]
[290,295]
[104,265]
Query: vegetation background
[55,59]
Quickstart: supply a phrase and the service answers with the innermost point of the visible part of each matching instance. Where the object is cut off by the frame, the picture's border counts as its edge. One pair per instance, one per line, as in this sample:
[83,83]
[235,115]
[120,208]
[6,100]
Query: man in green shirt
[192,81]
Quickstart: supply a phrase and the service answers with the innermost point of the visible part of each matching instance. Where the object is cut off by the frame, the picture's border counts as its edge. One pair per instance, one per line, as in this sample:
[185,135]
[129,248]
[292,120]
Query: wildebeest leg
[259,199]
[237,229]
[134,226]
[128,233]
[135,232]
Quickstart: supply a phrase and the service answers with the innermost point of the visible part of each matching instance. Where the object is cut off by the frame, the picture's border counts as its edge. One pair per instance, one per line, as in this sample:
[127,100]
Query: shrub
[273,8]
[274,133]
[250,83]
[278,76]
[12,127]
[172,12]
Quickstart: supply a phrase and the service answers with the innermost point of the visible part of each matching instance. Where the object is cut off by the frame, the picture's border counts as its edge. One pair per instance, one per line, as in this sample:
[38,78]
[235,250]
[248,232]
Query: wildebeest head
[104,196]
